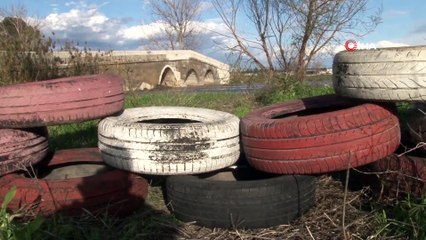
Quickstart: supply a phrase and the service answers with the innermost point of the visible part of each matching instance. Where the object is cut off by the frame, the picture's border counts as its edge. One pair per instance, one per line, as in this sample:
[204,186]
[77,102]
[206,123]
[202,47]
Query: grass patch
[404,219]
[402,111]
[283,89]
[237,103]
[319,77]
[146,223]
[75,135]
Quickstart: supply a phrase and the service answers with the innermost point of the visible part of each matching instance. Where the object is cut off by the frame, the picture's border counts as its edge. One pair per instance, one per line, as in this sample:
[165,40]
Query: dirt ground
[329,219]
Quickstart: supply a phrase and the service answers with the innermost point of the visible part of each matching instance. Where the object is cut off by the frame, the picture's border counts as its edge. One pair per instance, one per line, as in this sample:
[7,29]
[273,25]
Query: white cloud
[83,23]
[396,13]
[371,45]
[204,6]
[385,44]
[140,32]
[70,3]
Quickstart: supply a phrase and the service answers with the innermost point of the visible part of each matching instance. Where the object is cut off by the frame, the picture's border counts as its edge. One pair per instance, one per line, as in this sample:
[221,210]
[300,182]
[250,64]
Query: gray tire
[390,74]
[170,140]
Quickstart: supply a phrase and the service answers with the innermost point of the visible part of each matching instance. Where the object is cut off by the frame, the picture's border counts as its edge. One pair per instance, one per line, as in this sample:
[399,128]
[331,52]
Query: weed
[285,88]
[9,230]
[237,103]
[406,218]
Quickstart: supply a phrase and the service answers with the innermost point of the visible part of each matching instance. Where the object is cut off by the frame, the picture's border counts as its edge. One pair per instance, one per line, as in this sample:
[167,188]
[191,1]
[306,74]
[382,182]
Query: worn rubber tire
[398,176]
[118,191]
[416,124]
[251,200]
[60,101]
[392,74]
[129,143]
[21,148]
[311,136]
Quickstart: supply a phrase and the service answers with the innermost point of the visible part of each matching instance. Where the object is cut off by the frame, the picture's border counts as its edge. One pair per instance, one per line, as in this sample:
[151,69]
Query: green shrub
[9,229]
[284,88]
[26,55]
[24,51]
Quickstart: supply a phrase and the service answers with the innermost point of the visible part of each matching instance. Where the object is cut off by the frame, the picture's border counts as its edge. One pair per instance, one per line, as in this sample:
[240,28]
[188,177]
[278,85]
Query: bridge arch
[209,77]
[192,78]
[168,77]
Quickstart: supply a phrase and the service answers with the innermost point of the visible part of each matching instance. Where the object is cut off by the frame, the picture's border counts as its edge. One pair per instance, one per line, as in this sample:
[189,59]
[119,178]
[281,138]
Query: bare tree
[178,17]
[319,23]
[257,11]
[292,32]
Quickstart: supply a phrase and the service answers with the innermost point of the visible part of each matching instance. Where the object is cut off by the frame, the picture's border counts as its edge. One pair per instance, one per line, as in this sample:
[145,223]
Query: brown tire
[416,124]
[20,149]
[318,135]
[398,176]
[60,101]
[117,191]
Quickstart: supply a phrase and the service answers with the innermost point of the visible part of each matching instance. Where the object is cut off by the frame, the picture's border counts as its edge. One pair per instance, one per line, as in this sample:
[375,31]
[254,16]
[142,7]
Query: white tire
[170,140]
[390,74]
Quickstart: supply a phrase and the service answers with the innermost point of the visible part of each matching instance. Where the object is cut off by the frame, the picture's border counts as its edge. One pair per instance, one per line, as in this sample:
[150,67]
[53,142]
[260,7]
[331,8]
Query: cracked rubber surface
[21,148]
[60,101]
[240,198]
[118,191]
[318,135]
[170,140]
[395,74]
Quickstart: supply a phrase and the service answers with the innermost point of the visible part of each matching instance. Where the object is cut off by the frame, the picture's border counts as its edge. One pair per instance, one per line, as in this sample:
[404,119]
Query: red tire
[318,135]
[398,176]
[20,149]
[60,101]
[117,191]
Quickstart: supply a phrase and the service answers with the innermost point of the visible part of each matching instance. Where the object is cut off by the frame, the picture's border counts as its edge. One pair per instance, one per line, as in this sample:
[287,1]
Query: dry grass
[324,221]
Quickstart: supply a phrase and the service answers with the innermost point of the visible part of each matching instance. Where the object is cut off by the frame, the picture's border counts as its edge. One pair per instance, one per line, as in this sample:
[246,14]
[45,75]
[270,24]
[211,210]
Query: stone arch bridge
[147,69]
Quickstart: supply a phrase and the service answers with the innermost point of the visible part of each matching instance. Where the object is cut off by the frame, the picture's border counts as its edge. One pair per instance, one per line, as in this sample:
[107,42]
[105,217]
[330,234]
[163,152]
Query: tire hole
[68,171]
[308,112]
[238,174]
[169,120]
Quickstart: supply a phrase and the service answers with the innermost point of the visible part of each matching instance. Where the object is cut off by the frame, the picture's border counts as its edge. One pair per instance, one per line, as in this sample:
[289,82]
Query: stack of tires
[286,145]
[210,180]
[391,75]
[199,150]
[70,181]
[303,138]
[358,126]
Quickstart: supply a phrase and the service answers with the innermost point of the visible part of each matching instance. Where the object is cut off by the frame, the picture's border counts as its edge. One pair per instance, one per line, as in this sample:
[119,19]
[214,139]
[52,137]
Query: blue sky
[128,24]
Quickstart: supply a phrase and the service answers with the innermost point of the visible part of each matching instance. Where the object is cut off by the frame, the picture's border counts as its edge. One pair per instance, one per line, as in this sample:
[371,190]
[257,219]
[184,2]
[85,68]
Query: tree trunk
[309,26]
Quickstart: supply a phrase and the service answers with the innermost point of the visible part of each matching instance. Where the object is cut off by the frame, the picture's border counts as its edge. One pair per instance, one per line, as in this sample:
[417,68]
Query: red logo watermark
[351,45]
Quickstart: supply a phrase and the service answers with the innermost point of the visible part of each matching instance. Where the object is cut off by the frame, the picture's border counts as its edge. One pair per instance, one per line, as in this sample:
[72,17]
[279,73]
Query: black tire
[240,197]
